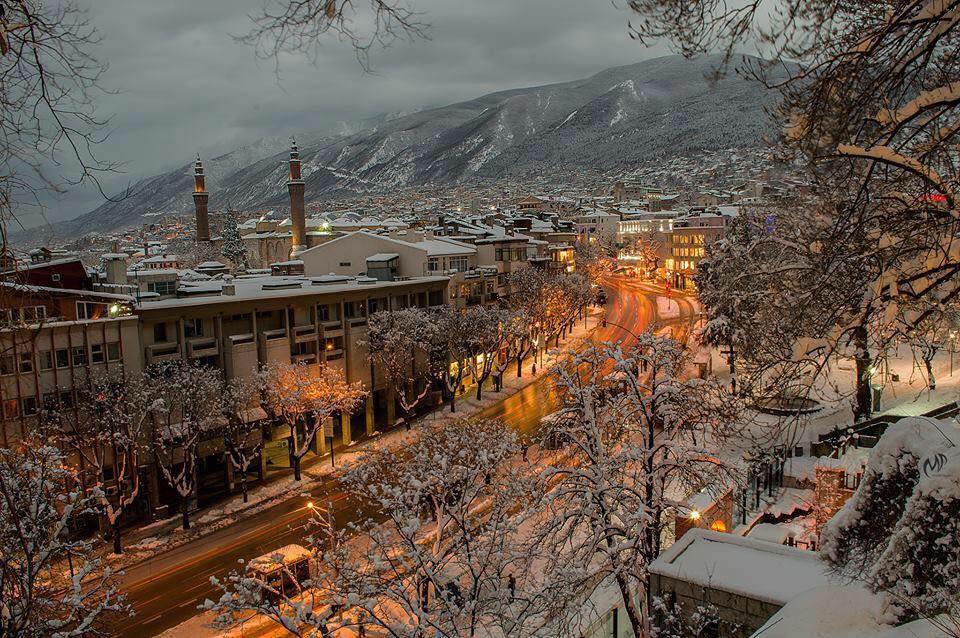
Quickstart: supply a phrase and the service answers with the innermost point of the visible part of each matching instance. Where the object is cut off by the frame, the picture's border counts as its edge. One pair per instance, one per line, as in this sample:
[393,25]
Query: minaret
[200,197]
[295,187]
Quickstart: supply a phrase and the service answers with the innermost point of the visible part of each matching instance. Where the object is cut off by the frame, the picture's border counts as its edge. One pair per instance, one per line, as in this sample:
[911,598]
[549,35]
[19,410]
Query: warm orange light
[694,515]
[719,526]
[310,505]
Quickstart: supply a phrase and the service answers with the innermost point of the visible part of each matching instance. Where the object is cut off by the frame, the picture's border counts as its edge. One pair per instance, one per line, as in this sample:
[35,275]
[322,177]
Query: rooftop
[751,568]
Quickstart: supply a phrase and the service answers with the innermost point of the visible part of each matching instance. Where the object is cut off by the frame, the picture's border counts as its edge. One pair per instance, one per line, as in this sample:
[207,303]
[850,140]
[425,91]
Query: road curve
[165,590]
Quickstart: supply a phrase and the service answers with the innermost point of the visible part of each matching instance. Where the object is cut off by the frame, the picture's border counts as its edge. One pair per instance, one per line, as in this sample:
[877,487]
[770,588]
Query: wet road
[166,590]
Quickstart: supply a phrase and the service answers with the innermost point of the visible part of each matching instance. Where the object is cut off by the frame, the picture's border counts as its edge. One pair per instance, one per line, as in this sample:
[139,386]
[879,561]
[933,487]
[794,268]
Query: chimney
[296,186]
[200,198]
[115,266]
[229,287]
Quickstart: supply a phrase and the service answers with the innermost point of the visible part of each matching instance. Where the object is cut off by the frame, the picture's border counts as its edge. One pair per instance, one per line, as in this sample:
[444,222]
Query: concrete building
[403,256]
[747,581]
[239,325]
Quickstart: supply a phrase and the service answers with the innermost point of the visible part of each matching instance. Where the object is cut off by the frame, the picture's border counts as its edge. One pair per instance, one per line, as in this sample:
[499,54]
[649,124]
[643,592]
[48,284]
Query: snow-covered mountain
[618,117]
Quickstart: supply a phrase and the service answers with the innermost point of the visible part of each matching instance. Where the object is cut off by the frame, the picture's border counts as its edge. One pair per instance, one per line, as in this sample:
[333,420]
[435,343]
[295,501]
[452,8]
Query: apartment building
[54,341]
[691,235]
[244,323]
[403,256]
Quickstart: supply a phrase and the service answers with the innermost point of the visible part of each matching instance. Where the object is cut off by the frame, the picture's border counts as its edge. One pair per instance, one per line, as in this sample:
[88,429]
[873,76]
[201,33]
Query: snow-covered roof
[751,568]
[440,246]
[379,257]
[280,557]
[840,611]
[268,287]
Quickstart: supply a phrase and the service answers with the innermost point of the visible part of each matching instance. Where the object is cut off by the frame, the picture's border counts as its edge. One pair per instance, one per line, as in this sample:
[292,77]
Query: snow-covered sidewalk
[152,539]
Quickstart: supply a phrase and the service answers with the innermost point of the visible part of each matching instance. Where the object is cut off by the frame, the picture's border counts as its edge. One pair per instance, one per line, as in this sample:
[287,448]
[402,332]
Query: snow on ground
[667,308]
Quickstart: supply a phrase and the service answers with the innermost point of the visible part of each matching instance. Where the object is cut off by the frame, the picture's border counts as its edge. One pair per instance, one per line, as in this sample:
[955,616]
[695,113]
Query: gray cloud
[185,86]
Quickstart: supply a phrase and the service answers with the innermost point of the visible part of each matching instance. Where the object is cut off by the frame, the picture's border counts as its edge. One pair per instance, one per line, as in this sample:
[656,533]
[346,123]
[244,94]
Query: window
[32,314]
[113,351]
[45,358]
[66,398]
[159,333]
[433,264]
[193,328]
[55,277]
[345,264]
[499,254]
[458,263]
[324,313]
[90,310]
[7,364]
[78,356]
[355,309]
[97,355]
[333,344]
[28,406]
[376,305]
[162,288]
[26,362]
[63,358]
[11,408]
[436,297]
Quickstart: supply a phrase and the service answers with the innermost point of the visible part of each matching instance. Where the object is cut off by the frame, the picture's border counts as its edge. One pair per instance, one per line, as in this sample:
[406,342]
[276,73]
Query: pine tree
[233,247]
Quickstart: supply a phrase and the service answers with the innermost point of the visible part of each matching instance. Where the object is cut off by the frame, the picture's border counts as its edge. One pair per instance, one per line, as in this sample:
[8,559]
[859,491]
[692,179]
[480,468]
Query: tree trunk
[453,400]
[296,466]
[117,547]
[931,380]
[519,366]
[634,616]
[185,511]
[864,405]
[479,387]
[732,364]
[243,485]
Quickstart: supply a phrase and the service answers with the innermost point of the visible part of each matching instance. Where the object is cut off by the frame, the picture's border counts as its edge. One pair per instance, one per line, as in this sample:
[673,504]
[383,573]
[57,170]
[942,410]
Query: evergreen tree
[233,247]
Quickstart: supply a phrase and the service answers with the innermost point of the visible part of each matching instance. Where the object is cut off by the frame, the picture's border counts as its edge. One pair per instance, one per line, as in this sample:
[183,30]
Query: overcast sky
[185,86]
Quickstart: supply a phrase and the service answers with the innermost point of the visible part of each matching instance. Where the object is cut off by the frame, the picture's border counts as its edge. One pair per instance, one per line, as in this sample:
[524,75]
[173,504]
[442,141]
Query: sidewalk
[155,538]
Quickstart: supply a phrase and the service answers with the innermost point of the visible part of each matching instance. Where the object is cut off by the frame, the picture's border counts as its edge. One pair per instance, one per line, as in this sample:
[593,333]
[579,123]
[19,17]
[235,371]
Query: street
[165,590]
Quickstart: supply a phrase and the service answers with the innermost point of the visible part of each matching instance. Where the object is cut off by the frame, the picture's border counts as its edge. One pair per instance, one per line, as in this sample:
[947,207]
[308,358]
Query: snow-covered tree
[593,260]
[637,440]
[241,435]
[484,338]
[900,531]
[870,104]
[108,433]
[185,412]
[934,332]
[303,396]
[449,350]
[441,557]
[233,247]
[516,345]
[50,583]
[399,343]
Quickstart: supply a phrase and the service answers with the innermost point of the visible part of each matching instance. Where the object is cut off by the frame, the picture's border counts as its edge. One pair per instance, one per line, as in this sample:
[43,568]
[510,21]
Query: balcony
[160,352]
[356,322]
[331,324]
[304,334]
[306,357]
[240,343]
[202,347]
[272,335]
